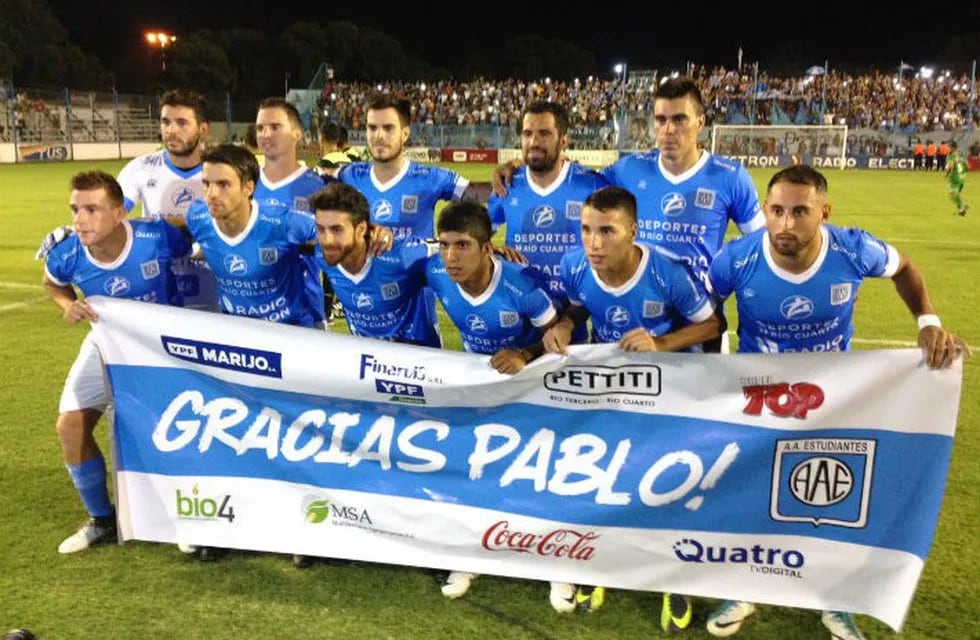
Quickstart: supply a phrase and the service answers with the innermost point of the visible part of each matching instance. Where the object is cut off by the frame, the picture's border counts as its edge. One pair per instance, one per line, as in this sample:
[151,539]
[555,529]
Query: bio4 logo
[783,399]
[194,507]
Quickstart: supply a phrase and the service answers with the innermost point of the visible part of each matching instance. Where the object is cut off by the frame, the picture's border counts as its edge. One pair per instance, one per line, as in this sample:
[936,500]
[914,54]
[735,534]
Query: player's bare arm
[72,308]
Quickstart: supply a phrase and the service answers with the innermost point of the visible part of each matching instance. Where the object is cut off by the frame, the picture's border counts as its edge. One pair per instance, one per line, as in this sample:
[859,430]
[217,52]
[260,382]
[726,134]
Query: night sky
[648,34]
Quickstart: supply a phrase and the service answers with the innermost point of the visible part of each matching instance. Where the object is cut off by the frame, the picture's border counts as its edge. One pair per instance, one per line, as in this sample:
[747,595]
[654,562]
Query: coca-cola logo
[561,543]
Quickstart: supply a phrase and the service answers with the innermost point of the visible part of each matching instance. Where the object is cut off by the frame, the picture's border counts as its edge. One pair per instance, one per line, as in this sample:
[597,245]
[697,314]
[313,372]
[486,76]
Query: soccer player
[956,178]
[499,307]
[285,181]
[382,295]
[166,181]
[639,297]
[685,195]
[543,208]
[800,269]
[107,255]
[402,193]
[253,247]
[333,153]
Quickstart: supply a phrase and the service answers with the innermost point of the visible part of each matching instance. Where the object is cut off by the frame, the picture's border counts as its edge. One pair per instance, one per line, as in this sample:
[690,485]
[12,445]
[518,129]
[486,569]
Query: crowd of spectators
[939,103]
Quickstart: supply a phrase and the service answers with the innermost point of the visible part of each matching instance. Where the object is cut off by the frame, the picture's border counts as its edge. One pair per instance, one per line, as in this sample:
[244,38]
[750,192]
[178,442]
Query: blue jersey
[293,192]
[779,311]
[141,272]
[508,315]
[661,296]
[546,223]
[688,214]
[385,298]
[259,271]
[406,204]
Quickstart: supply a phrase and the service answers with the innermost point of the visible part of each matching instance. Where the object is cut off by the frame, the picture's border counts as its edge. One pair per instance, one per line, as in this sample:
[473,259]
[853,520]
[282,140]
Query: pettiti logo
[560,543]
[783,399]
[599,380]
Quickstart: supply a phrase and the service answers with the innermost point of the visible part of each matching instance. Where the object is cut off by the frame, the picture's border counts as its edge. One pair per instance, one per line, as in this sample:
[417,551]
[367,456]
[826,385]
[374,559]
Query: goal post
[782,145]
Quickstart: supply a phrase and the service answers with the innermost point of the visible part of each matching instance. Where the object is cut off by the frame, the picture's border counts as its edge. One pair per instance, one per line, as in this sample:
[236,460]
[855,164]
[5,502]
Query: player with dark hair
[802,269]
[113,256]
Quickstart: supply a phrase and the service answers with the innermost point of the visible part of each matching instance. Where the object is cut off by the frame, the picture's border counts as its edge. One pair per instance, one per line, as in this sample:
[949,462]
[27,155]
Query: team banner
[805,480]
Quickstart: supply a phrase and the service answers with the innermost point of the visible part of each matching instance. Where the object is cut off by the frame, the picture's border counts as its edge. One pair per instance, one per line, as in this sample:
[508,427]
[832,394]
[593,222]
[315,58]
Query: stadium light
[163,40]
[621,71]
[926,72]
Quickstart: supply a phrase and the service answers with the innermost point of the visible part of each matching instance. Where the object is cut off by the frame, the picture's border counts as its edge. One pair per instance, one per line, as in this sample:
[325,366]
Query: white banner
[800,480]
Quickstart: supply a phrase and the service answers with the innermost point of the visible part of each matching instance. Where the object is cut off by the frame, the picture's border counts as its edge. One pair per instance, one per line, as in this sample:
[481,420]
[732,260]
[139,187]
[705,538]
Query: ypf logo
[476,324]
[823,481]
[673,204]
[382,211]
[617,316]
[543,216]
[235,264]
[796,308]
[116,286]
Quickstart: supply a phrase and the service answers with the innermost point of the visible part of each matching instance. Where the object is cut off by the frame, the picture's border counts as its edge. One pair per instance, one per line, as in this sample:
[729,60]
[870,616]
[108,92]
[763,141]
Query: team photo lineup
[672,249]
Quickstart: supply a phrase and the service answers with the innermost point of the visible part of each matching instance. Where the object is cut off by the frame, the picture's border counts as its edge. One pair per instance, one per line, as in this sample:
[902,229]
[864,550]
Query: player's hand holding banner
[726,477]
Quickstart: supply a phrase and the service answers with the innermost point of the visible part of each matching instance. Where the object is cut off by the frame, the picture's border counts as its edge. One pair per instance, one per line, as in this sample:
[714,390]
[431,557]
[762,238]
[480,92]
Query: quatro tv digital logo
[783,399]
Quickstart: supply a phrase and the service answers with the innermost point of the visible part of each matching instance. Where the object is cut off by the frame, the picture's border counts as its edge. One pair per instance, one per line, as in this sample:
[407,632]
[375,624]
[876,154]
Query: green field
[145,590]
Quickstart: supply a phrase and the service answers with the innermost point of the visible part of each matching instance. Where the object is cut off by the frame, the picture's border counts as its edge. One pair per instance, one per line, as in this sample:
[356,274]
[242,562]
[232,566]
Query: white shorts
[85,386]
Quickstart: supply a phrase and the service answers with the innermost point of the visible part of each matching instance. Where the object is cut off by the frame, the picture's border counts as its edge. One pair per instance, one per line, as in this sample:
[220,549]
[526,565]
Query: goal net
[780,146]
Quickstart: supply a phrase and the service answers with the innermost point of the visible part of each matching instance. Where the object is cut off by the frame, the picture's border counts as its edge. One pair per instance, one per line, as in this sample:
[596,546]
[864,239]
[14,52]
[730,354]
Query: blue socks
[90,481]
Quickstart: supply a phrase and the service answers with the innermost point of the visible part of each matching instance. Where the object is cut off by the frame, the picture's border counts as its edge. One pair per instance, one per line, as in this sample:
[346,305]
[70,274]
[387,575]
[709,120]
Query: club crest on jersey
[673,204]
[617,316]
[573,210]
[116,286]
[300,203]
[382,211]
[509,319]
[796,308]
[150,269]
[543,216]
[182,197]
[705,198]
[390,291]
[823,481]
[840,293]
[363,301]
[268,255]
[476,324]
[151,183]
[235,264]
[652,308]
[410,204]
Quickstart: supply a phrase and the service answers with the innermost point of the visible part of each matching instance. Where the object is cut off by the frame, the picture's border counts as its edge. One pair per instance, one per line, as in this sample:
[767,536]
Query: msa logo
[476,324]
[673,204]
[382,211]
[410,204]
[796,308]
[235,264]
[598,380]
[319,509]
[363,301]
[653,308]
[390,291]
[509,319]
[823,481]
[840,293]
[150,269]
[182,197]
[573,210]
[705,199]
[116,286]
[617,316]
[223,356]
[268,255]
[543,216]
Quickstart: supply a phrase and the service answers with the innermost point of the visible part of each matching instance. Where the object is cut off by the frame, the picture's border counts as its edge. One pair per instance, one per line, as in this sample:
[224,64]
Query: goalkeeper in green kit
[956,178]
